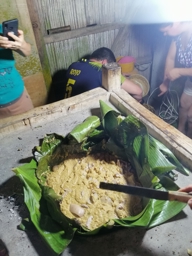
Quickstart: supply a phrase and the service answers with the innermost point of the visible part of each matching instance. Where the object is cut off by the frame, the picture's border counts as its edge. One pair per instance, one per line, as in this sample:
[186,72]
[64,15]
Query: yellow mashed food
[77,181]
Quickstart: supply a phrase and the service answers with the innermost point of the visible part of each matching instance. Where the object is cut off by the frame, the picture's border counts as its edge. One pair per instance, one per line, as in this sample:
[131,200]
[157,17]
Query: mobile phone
[10,26]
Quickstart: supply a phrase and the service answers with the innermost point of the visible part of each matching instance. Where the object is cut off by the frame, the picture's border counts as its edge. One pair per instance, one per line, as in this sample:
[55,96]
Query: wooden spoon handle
[179,196]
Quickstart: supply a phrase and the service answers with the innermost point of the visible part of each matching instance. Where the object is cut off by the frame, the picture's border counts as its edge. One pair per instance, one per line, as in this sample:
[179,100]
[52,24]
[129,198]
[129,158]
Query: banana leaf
[57,234]
[126,138]
[170,156]
[84,130]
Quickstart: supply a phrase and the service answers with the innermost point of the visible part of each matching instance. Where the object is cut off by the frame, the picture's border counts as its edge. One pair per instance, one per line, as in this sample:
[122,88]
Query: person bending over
[85,75]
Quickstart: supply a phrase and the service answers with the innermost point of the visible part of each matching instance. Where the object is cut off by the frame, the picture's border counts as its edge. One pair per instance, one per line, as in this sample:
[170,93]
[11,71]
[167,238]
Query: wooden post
[36,25]
[111,76]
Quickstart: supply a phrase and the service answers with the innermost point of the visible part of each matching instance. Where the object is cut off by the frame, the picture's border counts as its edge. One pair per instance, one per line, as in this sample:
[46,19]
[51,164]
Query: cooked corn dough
[77,181]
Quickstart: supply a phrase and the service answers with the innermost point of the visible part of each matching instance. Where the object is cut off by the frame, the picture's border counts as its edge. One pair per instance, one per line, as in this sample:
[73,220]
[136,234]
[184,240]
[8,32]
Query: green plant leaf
[50,231]
[82,131]
[171,157]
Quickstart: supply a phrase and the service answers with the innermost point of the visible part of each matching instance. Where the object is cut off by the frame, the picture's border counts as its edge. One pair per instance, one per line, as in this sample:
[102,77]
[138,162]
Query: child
[180,52]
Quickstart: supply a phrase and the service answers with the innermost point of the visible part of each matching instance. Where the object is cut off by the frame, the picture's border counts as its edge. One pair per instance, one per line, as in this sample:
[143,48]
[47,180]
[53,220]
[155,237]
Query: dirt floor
[171,238]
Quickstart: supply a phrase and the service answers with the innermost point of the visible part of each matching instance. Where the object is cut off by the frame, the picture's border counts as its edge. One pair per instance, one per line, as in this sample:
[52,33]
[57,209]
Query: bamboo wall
[62,49]
[80,13]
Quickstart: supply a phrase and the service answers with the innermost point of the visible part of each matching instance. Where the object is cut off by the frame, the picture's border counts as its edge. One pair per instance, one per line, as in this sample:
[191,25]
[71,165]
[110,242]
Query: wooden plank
[111,76]
[35,21]
[172,138]
[81,32]
[50,112]
[36,25]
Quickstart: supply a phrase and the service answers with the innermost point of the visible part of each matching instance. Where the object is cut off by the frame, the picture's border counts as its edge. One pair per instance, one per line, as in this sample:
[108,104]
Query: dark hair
[103,53]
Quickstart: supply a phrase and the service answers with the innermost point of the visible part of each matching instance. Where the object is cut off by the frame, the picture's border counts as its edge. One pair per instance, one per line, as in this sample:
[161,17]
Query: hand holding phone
[10,26]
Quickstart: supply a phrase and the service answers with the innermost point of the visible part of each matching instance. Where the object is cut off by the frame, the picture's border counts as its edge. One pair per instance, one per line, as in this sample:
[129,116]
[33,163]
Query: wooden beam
[36,26]
[40,115]
[111,76]
[177,142]
[33,12]
[80,32]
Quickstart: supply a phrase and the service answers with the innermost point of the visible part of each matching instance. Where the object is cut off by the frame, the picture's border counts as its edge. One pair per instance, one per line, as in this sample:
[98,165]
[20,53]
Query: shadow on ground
[11,192]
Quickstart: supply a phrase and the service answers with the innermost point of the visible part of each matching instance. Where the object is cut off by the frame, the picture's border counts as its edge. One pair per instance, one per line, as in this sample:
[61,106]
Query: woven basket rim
[141,81]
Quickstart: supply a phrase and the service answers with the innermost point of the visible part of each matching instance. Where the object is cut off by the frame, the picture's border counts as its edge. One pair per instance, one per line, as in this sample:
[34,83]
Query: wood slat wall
[80,13]
[62,54]
[64,48]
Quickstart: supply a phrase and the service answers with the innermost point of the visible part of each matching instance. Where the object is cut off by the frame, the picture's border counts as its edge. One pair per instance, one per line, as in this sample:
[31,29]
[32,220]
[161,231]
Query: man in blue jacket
[85,75]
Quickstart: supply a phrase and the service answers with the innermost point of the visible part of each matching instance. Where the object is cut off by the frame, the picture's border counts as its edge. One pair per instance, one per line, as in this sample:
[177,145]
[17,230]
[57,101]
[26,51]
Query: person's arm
[133,89]
[19,45]
[169,65]
[183,72]
[187,189]
[170,60]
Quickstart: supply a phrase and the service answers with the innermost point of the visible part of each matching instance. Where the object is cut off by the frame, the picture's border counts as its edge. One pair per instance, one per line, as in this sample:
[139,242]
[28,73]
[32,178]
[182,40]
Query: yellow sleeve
[122,79]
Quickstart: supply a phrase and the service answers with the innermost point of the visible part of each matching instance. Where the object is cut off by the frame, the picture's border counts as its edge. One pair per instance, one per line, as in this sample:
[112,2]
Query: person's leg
[188,98]
[185,104]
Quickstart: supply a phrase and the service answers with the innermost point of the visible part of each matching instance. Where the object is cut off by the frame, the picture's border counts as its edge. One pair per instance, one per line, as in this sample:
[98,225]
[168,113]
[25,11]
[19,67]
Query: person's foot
[3,249]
